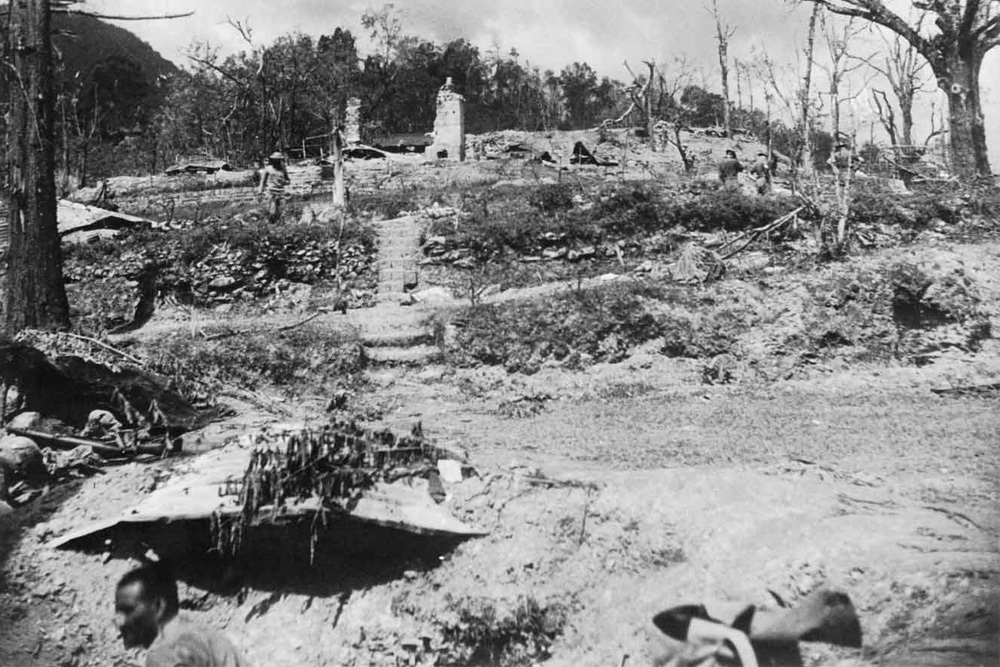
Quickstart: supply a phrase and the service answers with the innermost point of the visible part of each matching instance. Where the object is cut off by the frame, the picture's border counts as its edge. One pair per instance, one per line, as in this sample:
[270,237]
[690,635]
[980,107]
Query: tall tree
[36,296]
[723,33]
[965,31]
[805,102]
[905,70]
[840,64]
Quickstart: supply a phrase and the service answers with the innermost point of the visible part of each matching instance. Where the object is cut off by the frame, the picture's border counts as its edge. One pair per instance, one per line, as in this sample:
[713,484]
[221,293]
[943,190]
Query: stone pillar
[449,126]
[352,122]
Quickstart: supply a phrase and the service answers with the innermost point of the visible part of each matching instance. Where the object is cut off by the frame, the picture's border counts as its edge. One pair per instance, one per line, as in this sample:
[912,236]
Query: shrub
[578,327]
[707,335]
[306,358]
[483,632]
[729,209]
[630,211]
[551,198]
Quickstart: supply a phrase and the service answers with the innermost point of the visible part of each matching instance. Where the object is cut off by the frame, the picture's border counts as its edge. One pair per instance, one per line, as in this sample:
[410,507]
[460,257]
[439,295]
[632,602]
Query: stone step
[403,356]
[399,239]
[410,337]
[397,260]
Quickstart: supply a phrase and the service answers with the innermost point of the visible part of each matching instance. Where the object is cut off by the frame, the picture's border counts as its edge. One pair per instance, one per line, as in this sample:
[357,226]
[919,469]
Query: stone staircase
[398,253]
[396,333]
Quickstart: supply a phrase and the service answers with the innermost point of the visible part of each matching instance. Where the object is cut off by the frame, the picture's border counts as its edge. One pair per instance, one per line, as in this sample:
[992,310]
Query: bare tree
[673,81]
[886,116]
[805,159]
[906,71]
[643,95]
[965,30]
[841,64]
[723,33]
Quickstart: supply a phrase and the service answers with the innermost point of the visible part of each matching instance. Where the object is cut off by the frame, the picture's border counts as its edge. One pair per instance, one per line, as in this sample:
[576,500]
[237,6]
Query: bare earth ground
[854,476]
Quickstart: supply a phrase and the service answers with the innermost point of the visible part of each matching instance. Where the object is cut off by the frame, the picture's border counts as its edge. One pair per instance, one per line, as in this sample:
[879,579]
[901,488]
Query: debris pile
[71,415]
[330,467]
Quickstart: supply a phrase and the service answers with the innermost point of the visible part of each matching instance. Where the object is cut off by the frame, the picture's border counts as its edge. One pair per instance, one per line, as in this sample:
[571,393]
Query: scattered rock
[222,282]
[27,421]
[21,454]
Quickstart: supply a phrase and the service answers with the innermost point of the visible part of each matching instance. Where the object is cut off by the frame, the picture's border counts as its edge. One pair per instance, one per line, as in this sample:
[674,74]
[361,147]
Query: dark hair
[158,583]
[731,152]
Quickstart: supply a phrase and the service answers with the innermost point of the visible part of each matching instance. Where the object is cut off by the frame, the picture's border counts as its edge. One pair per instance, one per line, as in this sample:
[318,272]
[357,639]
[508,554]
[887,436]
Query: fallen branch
[239,332]
[299,323]
[102,448]
[559,483]
[755,233]
[107,347]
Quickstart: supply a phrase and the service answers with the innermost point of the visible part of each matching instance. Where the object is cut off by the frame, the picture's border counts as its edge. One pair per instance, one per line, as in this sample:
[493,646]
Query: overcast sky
[548,33]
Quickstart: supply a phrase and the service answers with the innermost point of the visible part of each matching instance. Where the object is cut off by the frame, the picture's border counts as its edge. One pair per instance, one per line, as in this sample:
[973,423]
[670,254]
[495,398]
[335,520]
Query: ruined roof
[211,485]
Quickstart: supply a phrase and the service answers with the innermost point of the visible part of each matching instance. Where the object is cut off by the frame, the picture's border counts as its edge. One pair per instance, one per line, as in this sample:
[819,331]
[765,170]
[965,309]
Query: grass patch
[484,631]
[303,360]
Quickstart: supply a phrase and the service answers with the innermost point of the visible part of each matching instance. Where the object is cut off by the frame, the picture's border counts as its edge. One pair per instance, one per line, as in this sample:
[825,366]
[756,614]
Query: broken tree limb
[69,442]
[107,347]
[755,233]
[102,448]
[293,325]
[764,228]
[240,332]
[560,483]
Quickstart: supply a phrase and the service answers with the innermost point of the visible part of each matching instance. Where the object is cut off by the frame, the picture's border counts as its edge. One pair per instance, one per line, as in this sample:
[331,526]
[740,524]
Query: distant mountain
[112,74]
[83,43]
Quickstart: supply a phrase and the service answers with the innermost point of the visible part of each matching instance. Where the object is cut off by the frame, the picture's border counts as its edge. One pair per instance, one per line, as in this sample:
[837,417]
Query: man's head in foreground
[146,599]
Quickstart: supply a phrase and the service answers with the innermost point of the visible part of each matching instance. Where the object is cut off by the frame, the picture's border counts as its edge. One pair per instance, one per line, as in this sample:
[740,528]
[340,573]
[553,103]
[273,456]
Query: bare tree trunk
[806,164]
[739,85]
[650,120]
[967,127]
[888,119]
[337,153]
[906,124]
[723,33]
[835,107]
[36,296]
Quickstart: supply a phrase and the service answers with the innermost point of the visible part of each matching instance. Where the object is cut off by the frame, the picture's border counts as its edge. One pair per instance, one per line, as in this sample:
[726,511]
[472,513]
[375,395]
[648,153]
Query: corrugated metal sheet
[200,488]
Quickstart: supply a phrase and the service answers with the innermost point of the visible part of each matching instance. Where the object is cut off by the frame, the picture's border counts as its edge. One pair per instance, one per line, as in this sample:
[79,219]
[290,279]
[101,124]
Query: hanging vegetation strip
[332,466]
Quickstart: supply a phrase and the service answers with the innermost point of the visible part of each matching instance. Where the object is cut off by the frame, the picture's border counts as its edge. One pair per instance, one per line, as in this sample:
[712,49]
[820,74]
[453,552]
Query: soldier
[146,614]
[761,171]
[274,179]
[844,164]
[730,168]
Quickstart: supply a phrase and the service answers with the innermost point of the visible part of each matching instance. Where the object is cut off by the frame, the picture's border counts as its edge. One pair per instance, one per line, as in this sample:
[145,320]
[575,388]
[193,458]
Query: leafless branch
[118,17]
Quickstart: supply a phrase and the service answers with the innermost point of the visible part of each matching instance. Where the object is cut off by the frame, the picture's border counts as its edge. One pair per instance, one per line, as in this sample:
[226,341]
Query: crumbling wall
[449,125]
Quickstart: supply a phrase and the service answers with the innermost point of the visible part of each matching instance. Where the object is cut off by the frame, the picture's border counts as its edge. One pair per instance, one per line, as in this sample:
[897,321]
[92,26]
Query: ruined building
[352,122]
[449,125]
